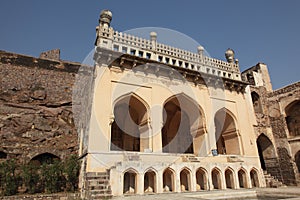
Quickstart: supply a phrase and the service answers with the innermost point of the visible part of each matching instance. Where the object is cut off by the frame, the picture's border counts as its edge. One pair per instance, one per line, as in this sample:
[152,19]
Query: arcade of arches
[188,180]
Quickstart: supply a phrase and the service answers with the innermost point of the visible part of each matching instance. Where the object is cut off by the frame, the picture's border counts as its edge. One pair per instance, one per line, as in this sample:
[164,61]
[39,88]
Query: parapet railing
[150,49]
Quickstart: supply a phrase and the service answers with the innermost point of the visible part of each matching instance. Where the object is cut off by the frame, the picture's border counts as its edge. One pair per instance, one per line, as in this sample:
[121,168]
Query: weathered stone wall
[36,107]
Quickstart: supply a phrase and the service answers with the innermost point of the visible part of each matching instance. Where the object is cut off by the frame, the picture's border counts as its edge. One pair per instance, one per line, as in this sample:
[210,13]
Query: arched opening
[3,155]
[168,180]
[129,182]
[131,120]
[201,180]
[266,152]
[226,133]
[254,178]
[242,178]
[183,126]
[293,118]
[45,158]
[216,179]
[185,180]
[229,178]
[256,102]
[150,182]
[297,160]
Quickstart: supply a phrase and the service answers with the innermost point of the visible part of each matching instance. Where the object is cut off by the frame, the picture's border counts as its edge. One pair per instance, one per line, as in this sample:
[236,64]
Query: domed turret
[105,17]
[229,54]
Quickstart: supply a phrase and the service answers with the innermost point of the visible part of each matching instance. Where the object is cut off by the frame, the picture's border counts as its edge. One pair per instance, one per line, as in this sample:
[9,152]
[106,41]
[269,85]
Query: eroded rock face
[36,107]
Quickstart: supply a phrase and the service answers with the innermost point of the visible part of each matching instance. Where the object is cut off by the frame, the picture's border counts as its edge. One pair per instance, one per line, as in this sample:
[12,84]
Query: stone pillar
[159,182]
[156,124]
[193,182]
[140,183]
[177,185]
[237,183]
[200,142]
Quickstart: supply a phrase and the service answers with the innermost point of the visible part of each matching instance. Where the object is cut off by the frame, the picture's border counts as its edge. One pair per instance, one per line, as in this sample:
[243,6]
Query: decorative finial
[229,54]
[200,50]
[105,18]
[153,35]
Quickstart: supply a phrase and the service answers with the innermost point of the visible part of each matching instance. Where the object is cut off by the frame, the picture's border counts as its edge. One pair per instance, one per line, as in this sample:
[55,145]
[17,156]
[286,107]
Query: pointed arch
[229,178]
[168,180]
[292,113]
[242,175]
[184,125]
[150,181]
[130,181]
[185,179]
[226,133]
[216,178]
[266,151]
[201,179]
[131,114]
[254,178]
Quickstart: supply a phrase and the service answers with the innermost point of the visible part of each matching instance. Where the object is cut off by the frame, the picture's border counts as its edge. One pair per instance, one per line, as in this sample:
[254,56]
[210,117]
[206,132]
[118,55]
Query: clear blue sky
[265,31]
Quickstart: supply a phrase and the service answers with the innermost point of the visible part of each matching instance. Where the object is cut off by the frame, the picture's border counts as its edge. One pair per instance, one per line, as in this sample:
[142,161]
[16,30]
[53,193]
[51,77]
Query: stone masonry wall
[36,107]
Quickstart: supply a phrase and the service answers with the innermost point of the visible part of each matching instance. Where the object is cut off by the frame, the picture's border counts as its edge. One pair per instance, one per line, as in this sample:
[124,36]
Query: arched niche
[168,180]
[292,112]
[216,178]
[254,178]
[297,160]
[150,181]
[229,178]
[130,182]
[226,133]
[185,180]
[201,179]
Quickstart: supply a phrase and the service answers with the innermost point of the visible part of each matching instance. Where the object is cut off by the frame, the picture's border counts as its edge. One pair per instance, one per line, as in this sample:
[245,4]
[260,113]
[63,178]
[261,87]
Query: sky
[266,31]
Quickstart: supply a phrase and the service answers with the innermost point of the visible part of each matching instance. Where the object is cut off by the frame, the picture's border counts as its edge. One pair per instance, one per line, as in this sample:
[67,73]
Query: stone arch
[266,152]
[3,155]
[216,178]
[256,101]
[168,180]
[184,125]
[229,178]
[185,179]
[44,158]
[131,114]
[242,176]
[297,160]
[130,181]
[292,113]
[150,181]
[254,177]
[201,179]
[227,136]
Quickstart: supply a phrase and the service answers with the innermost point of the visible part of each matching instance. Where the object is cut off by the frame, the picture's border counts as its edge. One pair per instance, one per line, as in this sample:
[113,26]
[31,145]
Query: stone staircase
[271,181]
[190,158]
[97,185]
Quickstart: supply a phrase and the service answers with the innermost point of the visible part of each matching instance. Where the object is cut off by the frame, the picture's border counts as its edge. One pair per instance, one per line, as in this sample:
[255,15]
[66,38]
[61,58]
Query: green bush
[71,172]
[9,179]
[31,177]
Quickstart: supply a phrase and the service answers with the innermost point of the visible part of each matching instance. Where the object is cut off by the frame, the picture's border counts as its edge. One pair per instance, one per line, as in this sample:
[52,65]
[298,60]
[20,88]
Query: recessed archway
[130,121]
[129,182]
[266,151]
[201,179]
[168,180]
[229,178]
[185,180]
[242,178]
[292,112]
[254,178]
[183,125]
[256,102]
[44,158]
[226,133]
[216,178]
[150,182]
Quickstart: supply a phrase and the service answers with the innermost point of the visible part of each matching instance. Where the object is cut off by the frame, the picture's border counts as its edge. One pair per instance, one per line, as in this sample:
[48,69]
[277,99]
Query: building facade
[165,119]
